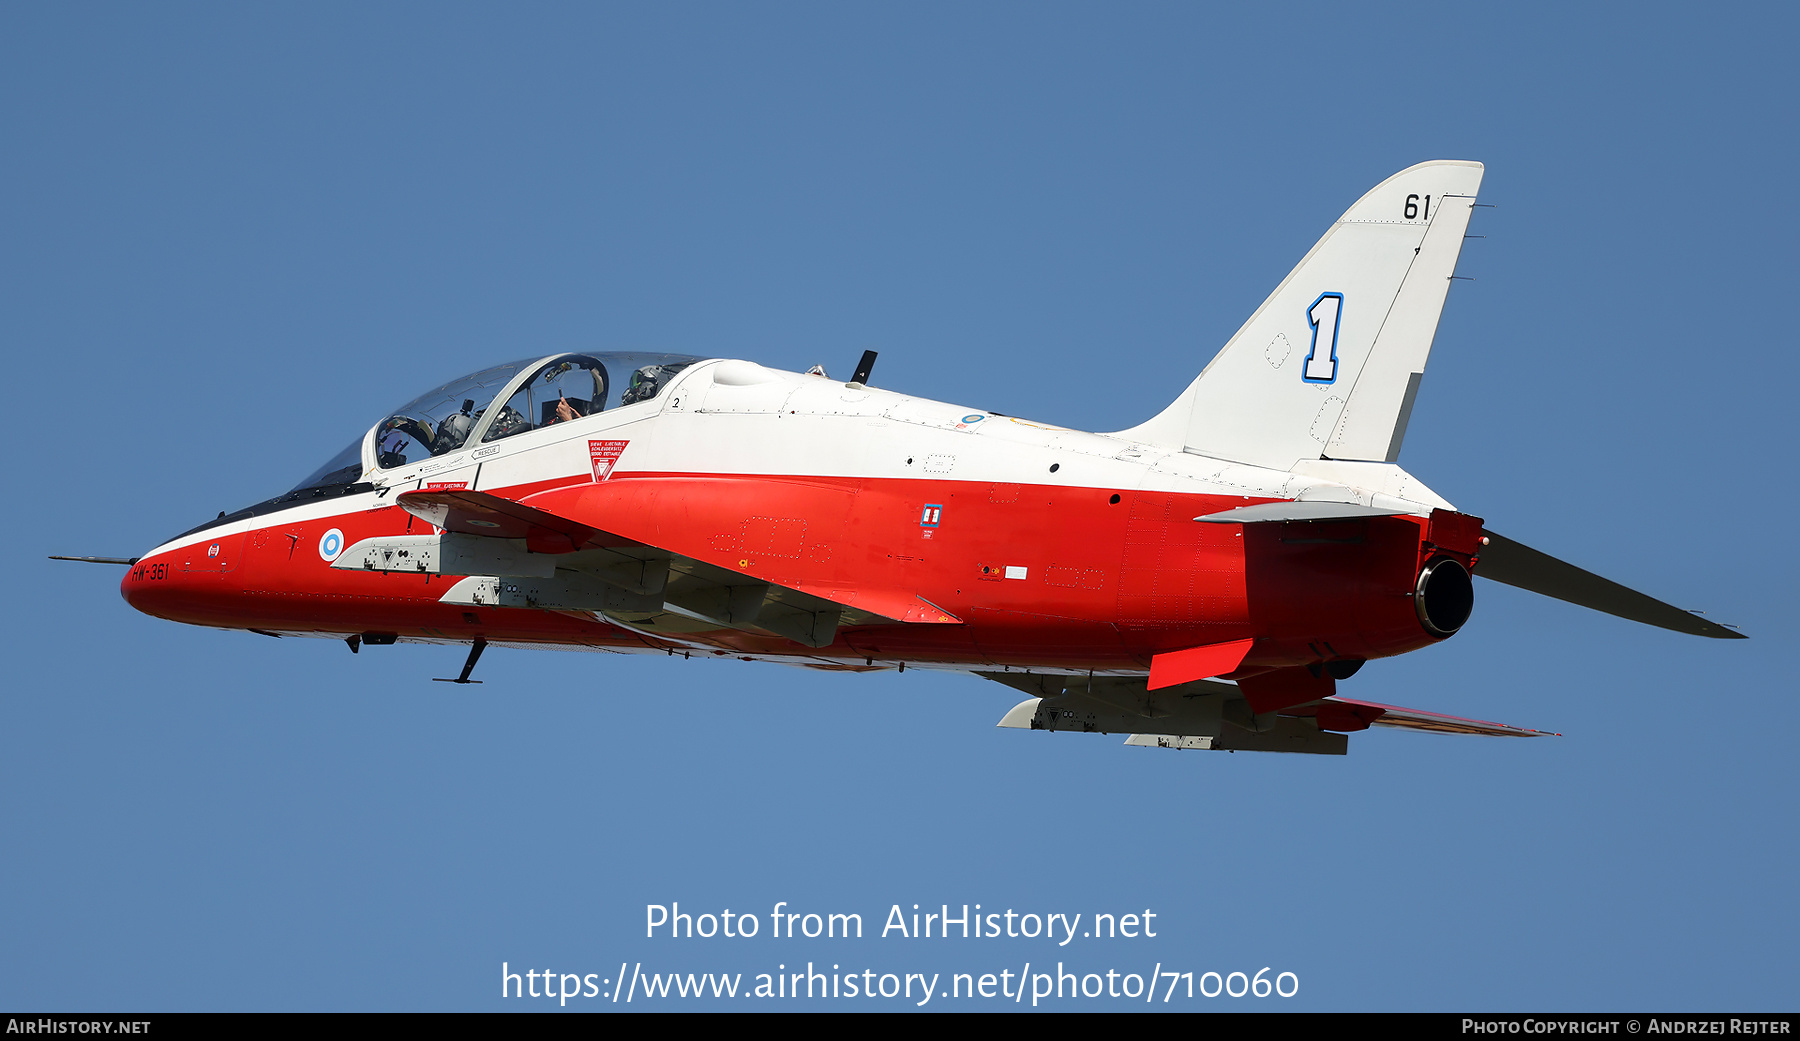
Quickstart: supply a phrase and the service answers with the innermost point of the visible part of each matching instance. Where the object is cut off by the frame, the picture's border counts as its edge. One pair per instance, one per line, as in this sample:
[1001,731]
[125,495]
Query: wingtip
[1717,630]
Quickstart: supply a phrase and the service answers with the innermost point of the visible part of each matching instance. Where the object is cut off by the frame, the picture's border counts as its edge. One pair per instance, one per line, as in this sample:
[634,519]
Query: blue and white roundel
[331,544]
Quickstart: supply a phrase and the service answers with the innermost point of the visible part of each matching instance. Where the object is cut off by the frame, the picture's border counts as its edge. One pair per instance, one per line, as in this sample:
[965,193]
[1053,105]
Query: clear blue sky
[235,234]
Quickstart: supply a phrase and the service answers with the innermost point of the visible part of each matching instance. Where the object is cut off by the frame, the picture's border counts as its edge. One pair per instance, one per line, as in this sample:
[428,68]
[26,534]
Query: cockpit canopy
[501,402]
[440,420]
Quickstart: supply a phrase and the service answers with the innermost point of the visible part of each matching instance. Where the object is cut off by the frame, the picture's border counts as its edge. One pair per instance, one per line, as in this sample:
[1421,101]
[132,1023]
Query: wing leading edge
[542,552]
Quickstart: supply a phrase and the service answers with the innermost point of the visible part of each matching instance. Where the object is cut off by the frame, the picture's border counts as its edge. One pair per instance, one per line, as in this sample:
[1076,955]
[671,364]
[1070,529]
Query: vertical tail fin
[1330,364]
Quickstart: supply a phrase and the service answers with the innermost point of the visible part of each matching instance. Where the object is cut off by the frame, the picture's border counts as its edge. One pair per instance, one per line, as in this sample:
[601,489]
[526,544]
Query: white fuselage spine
[735,417]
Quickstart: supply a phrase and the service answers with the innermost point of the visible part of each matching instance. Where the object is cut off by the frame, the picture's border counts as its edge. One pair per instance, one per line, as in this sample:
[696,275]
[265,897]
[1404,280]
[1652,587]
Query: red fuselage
[1049,576]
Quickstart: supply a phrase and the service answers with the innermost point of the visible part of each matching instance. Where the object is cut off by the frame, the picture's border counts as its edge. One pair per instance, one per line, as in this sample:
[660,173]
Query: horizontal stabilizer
[1513,564]
[1297,511]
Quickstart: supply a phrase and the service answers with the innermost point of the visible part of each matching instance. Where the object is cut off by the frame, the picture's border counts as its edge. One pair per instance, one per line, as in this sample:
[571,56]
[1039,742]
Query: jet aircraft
[1204,580]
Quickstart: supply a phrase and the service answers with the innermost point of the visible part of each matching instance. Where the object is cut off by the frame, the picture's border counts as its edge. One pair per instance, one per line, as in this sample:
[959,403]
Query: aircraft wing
[492,516]
[1213,714]
[660,590]
[1374,713]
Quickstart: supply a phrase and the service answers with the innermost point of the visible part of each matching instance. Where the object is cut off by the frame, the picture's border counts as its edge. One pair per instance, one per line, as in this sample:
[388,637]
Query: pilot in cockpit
[434,425]
[565,410]
[648,381]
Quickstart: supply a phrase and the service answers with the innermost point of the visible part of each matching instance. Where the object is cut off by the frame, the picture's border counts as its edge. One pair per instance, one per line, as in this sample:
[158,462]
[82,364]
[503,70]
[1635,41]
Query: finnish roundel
[331,544]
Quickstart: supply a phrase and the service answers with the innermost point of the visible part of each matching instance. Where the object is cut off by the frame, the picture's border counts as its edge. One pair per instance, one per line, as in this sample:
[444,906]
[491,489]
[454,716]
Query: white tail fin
[1329,365]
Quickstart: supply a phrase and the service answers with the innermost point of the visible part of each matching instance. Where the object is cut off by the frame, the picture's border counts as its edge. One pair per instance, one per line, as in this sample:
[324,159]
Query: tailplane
[1329,365]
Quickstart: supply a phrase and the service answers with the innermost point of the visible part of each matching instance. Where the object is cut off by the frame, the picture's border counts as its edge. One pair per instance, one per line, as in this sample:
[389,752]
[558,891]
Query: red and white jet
[1203,580]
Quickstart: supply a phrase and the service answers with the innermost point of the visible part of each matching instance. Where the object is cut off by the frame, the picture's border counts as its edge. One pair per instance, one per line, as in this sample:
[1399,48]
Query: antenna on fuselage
[861,376]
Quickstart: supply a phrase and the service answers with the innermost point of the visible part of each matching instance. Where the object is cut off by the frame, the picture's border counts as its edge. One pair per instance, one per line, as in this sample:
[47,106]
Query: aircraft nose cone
[194,583]
[152,585]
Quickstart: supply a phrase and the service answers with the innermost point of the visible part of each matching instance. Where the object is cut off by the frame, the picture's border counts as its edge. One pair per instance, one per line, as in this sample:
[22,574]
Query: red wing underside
[479,513]
[1347,713]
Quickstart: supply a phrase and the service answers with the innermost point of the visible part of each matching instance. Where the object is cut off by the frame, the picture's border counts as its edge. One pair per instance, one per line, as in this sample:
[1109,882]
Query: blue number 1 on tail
[1323,314]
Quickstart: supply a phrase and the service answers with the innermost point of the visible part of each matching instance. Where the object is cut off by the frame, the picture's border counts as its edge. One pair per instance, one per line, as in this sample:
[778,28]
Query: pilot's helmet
[451,433]
[646,383]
